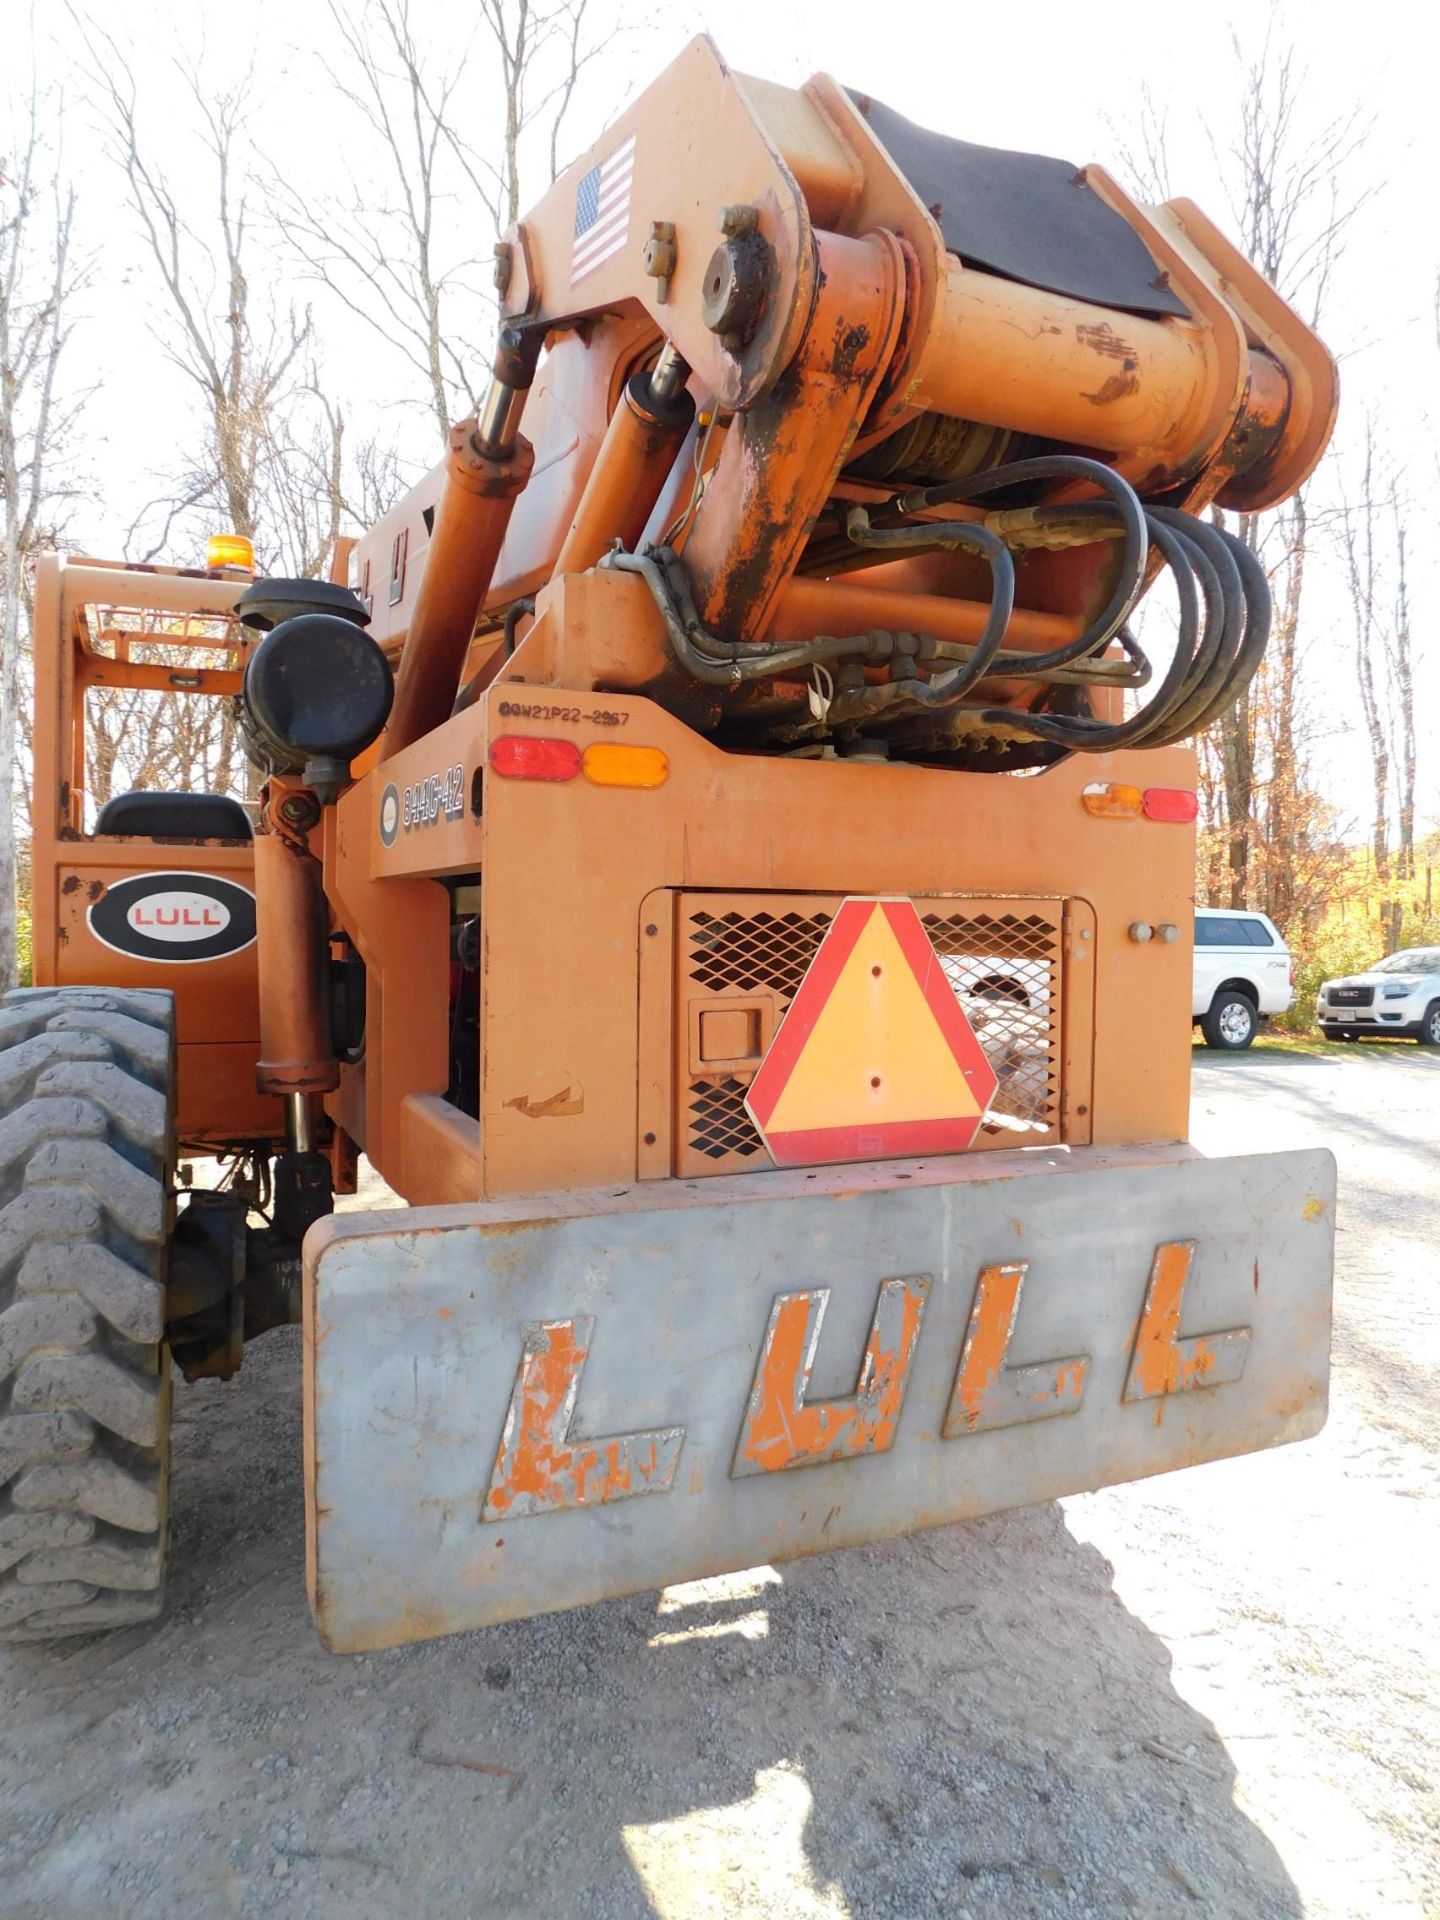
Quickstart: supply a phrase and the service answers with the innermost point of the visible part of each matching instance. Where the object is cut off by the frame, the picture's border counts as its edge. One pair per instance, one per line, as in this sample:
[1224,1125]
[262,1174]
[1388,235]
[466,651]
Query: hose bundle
[1222,592]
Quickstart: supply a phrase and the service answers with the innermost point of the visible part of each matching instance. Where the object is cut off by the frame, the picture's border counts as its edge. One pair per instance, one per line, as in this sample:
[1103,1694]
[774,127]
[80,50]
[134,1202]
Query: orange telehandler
[727,860]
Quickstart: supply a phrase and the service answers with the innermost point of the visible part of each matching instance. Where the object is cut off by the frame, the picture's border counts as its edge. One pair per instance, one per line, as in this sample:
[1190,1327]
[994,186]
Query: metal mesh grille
[744,951]
[1004,969]
[718,1123]
[1002,959]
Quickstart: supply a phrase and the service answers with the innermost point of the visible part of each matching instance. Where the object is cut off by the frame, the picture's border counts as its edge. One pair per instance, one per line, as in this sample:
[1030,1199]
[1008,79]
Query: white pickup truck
[1243,970]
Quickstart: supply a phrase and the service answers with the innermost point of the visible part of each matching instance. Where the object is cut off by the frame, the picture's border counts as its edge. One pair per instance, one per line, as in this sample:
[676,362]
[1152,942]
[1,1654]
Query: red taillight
[521,756]
[1170,803]
[1292,973]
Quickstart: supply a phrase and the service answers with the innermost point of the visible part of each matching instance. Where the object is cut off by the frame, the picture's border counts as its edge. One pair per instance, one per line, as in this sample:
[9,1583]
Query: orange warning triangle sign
[874,1058]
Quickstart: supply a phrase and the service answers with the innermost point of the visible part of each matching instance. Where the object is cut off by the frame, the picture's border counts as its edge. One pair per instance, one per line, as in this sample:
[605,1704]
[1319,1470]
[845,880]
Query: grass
[1269,1041]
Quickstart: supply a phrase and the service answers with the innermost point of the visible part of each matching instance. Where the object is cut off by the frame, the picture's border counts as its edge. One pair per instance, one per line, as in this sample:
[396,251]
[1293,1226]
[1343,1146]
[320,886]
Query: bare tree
[542,51]
[37,280]
[1293,215]
[398,243]
[1374,540]
[176,742]
[1293,212]
[238,352]
[1402,684]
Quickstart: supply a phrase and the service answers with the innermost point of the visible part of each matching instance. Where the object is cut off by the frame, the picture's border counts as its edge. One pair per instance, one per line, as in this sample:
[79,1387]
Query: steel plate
[530,1404]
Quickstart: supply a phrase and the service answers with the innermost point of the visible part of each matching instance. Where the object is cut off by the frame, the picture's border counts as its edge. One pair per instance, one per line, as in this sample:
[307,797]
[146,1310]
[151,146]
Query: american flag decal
[602,211]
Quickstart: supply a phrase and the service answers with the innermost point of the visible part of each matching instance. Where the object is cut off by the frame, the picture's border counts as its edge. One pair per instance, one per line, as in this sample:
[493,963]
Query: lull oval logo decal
[178,915]
[174,917]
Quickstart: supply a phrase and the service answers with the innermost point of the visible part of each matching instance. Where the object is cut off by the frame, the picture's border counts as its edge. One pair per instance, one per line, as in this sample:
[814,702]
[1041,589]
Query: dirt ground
[1210,1695]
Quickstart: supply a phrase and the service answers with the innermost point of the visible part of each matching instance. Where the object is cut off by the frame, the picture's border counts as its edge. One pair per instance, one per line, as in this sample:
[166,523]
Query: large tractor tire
[87,1152]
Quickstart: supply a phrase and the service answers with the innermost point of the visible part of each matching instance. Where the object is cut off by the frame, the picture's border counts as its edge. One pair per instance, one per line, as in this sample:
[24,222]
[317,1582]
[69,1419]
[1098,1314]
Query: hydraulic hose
[1216,654]
[1222,627]
[514,614]
[1120,496]
[946,688]
[718,662]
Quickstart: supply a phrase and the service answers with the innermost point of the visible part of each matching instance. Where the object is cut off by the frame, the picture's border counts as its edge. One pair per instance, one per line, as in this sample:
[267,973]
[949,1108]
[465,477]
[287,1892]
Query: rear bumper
[1369,1020]
[529,1404]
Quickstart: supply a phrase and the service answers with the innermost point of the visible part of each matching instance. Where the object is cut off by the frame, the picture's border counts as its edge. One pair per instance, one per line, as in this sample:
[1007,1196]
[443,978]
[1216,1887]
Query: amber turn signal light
[610,765]
[1109,800]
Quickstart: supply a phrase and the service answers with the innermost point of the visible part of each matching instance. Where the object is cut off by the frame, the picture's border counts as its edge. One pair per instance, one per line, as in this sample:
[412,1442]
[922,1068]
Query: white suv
[1243,970]
[1399,994]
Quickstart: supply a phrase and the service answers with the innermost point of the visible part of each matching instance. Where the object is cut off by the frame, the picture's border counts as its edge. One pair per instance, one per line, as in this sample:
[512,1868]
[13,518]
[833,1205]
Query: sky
[1047,77]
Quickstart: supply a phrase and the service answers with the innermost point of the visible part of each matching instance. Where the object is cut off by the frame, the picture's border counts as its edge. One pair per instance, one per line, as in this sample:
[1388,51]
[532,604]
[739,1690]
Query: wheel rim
[1236,1022]
[1432,1026]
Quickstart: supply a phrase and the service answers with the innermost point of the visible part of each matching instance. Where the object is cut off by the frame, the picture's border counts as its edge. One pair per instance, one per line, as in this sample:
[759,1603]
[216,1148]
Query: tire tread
[86,1143]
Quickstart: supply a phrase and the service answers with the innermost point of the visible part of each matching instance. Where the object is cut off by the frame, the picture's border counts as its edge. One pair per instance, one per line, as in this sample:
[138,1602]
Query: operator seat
[175,816]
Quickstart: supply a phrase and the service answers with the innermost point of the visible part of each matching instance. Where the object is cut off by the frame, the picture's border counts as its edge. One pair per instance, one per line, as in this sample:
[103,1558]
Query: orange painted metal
[866,321]
[783,454]
[220,682]
[1294,383]
[441,1145]
[1235,399]
[783,1429]
[540,1466]
[216,1002]
[470,523]
[79,605]
[579,883]
[1037,1391]
[630,469]
[726,155]
[807,606]
[1163,1363]
[1163,387]
[400,927]
[296,1054]
[1090,376]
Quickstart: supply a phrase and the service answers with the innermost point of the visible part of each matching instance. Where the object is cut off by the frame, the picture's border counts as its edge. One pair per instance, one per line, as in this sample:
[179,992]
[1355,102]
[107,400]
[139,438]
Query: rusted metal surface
[488,1388]
[1234,387]
[1285,459]
[782,455]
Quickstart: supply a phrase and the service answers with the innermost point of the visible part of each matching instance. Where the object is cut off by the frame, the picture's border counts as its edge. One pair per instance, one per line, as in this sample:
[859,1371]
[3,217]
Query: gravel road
[1210,1695]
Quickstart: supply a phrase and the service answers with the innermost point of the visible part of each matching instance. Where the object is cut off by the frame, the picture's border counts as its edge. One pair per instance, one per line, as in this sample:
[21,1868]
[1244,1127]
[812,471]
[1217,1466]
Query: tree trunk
[1402,678]
[1238,756]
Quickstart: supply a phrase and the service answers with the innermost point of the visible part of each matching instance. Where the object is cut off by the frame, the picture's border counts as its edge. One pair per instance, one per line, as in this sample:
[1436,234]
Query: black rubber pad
[1023,216]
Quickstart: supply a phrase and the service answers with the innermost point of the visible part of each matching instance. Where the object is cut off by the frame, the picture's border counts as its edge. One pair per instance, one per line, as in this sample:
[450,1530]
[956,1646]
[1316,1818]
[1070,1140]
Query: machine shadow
[966,1721]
